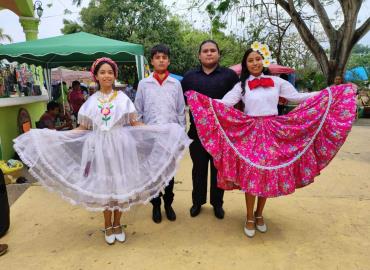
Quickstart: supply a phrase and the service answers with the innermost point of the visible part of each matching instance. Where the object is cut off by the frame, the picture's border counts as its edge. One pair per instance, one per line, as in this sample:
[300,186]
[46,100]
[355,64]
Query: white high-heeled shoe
[120,237]
[109,238]
[248,232]
[261,228]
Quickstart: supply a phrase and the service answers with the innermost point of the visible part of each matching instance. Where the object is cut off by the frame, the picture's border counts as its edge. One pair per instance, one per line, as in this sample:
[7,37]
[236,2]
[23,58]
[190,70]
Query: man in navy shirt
[214,81]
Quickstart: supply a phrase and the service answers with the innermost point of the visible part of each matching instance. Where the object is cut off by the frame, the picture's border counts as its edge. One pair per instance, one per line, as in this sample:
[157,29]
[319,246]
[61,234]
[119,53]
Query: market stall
[78,49]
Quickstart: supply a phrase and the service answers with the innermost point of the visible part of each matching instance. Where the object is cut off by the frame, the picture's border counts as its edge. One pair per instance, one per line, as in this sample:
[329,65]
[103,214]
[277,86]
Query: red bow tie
[263,82]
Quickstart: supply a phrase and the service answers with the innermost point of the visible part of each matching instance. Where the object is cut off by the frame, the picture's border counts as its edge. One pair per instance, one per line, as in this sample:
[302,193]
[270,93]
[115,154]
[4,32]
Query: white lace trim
[284,164]
[162,177]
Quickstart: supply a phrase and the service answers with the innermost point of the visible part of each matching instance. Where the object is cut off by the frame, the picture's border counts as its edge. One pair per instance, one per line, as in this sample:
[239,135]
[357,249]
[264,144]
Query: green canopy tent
[78,49]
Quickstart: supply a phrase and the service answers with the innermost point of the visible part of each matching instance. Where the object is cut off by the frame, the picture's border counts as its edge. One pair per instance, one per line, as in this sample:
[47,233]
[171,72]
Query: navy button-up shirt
[214,85]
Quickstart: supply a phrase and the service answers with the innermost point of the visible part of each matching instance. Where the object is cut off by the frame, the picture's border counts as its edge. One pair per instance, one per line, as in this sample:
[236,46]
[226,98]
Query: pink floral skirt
[272,156]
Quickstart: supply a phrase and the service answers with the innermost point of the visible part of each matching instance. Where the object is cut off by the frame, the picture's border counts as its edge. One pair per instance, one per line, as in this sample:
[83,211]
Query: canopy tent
[356,74]
[177,77]
[78,49]
[68,75]
[274,69]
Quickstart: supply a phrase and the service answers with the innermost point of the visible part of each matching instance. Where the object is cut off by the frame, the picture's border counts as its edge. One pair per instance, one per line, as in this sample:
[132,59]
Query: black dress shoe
[157,216]
[219,212]
[170,213]
[195,210]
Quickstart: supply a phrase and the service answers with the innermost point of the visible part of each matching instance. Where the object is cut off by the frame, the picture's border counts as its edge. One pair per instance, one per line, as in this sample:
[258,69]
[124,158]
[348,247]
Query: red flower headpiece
[103,59]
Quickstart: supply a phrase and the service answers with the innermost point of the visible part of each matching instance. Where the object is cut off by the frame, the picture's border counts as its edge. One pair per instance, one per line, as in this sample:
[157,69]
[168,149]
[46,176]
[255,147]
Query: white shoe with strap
[109,238]
[248,232]
[120,237]
[260,228]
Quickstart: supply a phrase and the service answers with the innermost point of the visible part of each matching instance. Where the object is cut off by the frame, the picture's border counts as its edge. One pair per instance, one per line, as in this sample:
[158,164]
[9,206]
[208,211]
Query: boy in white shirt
[159,100]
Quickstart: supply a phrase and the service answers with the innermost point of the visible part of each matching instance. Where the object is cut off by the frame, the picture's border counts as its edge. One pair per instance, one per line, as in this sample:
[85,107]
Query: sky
[52,18]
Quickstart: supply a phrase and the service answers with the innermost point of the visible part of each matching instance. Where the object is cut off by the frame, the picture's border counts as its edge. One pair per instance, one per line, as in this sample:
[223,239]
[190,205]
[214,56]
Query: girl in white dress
[111,161]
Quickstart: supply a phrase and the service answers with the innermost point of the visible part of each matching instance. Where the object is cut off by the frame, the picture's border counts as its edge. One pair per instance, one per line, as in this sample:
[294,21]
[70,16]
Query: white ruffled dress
[110,166]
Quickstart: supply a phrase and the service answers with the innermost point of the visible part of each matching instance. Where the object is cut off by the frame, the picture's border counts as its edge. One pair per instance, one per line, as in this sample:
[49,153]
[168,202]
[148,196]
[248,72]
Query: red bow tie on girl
[263,82]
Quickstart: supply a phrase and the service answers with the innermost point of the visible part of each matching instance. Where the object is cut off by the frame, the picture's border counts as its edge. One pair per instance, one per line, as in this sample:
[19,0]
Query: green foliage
[71,27]
[310,79]
[67,11]
[147,22]
[173,36]
[125,20]
[312,13]
[359,48]
[232,49]
[356,60]
[224,6]
[76,2]
[360,57]
[4,36]
[210,8]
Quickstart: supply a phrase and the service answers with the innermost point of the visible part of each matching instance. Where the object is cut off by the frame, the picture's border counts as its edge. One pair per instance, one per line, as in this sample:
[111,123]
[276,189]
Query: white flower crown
[263,49]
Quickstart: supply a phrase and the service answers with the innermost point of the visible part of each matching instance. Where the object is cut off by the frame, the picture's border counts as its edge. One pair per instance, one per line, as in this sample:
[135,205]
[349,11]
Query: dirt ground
[323,226]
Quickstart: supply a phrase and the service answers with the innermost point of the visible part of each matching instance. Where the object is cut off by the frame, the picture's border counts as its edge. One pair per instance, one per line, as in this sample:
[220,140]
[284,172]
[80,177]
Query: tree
[140,19]
[266,23]
[147,22]
[360,57]
[361,49]
[341,39]
[4,36]
[231,48]
[281,25]
[71,27]
[76,2]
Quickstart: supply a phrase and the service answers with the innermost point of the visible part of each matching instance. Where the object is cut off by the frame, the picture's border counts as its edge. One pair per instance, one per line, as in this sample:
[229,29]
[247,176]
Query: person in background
[76,98]
[92,88]
[338,80]
[50,117]
[62,93]
[130,91]
[84,90]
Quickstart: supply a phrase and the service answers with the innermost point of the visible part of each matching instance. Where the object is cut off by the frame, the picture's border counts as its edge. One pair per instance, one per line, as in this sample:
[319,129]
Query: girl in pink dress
[263,154]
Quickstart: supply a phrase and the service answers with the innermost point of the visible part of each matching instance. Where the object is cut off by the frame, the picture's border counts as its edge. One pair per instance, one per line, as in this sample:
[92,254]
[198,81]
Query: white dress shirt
[263,101]
[160,104]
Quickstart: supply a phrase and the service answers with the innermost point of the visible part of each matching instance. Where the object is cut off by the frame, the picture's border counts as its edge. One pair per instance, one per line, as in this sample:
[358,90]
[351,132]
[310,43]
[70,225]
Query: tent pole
[47,78]
[61,87]
[140,66]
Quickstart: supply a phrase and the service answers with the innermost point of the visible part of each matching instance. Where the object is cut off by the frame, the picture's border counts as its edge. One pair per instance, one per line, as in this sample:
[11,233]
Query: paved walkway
[323,226]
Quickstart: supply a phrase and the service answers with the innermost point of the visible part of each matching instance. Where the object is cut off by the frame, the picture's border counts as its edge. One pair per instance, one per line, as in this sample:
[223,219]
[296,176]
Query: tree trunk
[341,41]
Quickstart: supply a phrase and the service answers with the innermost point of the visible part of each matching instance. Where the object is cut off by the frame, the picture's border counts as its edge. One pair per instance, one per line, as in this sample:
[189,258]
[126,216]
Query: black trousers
[167,196]
[201,158]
